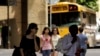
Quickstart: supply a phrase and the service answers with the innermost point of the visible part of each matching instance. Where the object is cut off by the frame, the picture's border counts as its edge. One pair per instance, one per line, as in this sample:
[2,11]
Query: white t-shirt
[55,39]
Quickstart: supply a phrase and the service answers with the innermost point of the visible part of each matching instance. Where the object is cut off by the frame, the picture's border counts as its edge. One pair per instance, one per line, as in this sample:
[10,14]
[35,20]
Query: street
[93,52]
[90,52]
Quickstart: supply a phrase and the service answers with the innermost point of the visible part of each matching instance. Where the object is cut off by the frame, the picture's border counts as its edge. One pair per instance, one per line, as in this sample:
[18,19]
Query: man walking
[4,35]
[83,42]
[71,42]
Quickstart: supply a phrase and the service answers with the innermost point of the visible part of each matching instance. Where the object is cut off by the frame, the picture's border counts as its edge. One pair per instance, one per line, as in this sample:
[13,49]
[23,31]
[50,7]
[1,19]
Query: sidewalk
[6,52]
[90,52]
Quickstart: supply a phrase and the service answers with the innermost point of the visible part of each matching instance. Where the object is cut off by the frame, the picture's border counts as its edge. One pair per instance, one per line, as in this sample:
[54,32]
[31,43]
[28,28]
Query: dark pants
[29,53]
[5,42]
[64,55]
[83,53]
[46,52]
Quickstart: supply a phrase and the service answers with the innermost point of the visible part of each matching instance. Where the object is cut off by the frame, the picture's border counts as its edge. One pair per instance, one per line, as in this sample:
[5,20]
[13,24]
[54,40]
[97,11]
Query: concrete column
[37,13]
[15,24]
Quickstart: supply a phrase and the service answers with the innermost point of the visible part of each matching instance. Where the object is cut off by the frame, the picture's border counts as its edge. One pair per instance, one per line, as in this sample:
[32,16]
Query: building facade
[21,14]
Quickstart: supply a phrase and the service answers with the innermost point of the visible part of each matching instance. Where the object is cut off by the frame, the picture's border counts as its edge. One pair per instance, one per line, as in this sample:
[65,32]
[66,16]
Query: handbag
[16,51]
[78,51]
[36,46]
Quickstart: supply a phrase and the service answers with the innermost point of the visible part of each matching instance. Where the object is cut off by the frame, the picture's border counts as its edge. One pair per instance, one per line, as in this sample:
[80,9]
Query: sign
[59,8]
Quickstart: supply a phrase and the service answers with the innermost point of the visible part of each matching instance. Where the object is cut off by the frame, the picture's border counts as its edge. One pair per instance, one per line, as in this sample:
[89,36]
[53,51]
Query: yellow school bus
[65,14]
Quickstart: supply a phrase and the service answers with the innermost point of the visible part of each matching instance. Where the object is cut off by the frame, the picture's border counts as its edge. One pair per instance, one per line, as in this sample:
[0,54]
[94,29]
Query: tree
[89,3]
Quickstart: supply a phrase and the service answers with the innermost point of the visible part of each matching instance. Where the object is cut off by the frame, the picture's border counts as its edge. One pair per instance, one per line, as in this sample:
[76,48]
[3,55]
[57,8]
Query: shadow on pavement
[97,47]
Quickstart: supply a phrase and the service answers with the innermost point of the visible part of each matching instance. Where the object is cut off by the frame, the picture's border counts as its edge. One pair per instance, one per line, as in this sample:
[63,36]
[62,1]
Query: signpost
[51,2]
[50,14]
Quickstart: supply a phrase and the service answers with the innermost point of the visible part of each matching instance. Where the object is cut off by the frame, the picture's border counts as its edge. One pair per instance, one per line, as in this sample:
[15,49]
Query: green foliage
[89,3]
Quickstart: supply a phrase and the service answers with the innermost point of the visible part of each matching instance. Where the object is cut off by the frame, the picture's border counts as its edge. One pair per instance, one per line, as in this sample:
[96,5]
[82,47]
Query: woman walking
[46,43]
[55,38]
[30,41]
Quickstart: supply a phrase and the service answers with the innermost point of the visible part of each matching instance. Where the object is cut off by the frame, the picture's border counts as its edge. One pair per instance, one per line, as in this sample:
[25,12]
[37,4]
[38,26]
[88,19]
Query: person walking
[46,42]
[30,43]
[83,41]
[4,35]
[69,44]
[55,38]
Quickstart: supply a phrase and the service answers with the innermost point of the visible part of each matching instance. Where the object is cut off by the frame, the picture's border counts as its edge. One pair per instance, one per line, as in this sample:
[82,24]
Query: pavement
[6,52]
[90,52]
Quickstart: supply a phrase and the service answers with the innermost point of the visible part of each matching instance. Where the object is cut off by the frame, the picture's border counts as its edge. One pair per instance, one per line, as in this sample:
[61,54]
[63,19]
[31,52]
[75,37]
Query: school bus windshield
[65,19]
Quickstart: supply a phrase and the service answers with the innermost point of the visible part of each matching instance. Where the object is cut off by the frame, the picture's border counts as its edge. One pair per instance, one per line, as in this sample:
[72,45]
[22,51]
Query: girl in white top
[55,38]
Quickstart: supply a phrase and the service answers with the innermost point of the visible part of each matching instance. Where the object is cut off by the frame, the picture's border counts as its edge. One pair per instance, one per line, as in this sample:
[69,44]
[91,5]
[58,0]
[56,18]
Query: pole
[50,14]
[46,12]
[8,12]
[8,22]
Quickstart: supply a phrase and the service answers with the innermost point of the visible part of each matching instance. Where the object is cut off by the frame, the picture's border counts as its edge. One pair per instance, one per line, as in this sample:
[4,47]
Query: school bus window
[62,19]
[84,15]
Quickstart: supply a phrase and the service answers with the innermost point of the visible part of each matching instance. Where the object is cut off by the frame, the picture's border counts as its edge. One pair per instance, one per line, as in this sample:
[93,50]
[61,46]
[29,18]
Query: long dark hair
[31,26]
[43,32]
[54,30]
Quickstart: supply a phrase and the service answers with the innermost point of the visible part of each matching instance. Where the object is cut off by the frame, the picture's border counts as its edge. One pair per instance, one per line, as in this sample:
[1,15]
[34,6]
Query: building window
[3,2]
